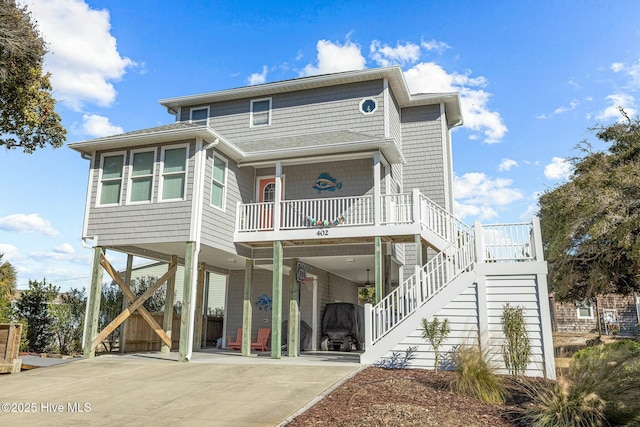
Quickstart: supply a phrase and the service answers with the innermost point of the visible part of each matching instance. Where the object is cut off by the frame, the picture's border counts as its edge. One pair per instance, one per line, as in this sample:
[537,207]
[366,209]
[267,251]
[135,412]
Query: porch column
[93,304]
[293,334]
[167,320]
[125,303]
[378,268]
[186,343]
[377,201]
[417,240]
[247,308]
[199,309]
[387,274]
[277,198]
[276,303]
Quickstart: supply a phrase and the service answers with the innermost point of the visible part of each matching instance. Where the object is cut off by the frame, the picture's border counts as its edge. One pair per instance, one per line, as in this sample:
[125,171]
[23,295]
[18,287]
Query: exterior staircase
[429,289]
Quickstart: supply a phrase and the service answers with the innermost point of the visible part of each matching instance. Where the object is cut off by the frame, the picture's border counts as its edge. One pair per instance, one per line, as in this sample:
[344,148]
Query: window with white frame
[219,182]
[585,310]
[200,115]
[141,177]
[111,179]
[261,112]
[174,173]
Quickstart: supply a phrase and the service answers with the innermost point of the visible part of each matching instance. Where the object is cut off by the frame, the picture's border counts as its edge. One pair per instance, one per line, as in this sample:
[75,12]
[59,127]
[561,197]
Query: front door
[266,197]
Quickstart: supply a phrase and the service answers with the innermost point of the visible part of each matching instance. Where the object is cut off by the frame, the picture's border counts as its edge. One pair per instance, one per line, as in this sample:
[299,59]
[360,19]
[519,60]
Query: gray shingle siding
[141,223]
[295,113]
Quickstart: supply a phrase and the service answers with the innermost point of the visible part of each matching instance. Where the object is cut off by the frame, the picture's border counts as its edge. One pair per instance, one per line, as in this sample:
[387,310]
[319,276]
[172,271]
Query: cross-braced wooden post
[93,304]
[136,304]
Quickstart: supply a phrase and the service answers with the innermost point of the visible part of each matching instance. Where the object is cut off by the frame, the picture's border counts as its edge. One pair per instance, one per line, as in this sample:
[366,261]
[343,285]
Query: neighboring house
[611,314]
[295,190]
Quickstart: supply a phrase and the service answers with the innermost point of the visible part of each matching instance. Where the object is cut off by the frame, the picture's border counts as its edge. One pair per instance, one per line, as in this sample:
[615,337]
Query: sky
[533,78]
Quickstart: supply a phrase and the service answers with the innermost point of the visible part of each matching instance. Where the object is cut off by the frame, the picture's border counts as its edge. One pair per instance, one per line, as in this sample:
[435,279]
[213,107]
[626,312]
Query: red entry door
[266,194]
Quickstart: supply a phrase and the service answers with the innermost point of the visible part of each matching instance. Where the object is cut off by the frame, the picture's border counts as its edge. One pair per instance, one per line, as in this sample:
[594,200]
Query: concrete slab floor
[152,389]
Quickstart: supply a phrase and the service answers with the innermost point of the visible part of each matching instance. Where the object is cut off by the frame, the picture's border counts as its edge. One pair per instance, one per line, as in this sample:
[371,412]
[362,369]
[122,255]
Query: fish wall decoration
[326,182]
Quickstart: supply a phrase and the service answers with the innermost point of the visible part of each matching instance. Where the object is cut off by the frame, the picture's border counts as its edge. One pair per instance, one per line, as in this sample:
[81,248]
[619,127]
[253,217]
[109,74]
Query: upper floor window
[111,179]
[219,182]
[141,178]
[174,173]
[261,112]
[200,114]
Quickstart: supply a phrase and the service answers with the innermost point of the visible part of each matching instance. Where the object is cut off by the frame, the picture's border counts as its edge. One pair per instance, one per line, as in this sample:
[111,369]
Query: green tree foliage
[7,289]
[34,309]
[591,224]
[155,303]
[110,307]
[68,320]
[27,115]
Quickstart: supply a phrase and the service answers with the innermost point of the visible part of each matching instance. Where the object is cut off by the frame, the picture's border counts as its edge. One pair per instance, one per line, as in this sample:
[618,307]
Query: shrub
[435,332]
[517,347]
[613,372]
[563,404]
[475,377]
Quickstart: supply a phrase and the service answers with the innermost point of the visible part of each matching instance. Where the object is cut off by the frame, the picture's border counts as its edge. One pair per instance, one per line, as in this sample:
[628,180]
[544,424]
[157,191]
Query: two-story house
[296,191]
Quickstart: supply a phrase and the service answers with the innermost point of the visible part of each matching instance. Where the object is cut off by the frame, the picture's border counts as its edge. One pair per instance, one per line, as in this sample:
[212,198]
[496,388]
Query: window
[219,182]
[174,173]
[141,184]
[261,112]
[585,310]
[111,179]
[200,114]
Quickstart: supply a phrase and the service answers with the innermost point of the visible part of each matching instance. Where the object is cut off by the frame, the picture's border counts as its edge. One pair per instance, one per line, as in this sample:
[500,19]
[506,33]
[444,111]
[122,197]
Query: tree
[7,289]
[27,115]
[68,320]
[591,224]
[33,307]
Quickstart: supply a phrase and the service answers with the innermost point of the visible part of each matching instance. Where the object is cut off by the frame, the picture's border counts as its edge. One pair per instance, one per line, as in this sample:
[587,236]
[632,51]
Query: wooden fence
[139,337]
[9,347]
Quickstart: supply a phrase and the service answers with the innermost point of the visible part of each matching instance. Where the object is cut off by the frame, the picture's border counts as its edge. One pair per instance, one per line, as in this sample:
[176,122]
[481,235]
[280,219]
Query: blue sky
[533,77]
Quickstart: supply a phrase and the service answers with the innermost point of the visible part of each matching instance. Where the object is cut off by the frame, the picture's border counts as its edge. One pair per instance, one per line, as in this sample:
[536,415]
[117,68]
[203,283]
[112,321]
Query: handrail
[437,219]
[422,286]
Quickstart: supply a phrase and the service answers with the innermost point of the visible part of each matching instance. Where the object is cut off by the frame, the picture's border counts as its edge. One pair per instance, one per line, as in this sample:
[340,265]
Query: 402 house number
[322,233]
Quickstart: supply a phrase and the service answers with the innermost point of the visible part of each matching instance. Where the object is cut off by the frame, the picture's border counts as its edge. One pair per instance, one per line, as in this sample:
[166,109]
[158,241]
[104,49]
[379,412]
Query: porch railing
[508,242]
[254,216]
[315,212]
[440,221]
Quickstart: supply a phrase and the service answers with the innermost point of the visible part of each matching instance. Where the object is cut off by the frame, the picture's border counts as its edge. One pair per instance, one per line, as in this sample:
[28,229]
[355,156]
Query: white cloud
[478,195]
[617,101]
[9,252]
[97,126]
[64,248]
[27,223]
[435,45]
[334,57]
[258,78]
[507,164]
[429,77]
[563,109]
[402,54]
[559,168]
[83,56]
[632,72]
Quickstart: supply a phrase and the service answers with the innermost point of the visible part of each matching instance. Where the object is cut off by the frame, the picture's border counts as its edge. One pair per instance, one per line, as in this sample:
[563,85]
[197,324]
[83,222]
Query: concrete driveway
[213,389]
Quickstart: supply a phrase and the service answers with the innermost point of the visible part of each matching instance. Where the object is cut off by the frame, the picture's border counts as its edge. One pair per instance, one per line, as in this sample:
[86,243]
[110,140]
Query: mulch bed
[409,397]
